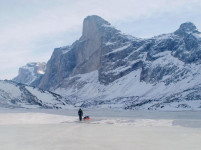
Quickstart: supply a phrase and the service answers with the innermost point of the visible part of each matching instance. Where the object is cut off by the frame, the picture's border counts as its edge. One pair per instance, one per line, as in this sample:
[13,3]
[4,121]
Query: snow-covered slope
[14,95]
[129,93]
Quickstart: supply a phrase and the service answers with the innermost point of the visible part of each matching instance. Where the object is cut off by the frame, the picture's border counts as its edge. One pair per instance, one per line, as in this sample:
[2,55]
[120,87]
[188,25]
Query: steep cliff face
[30,73]
[81,57]
[106,67]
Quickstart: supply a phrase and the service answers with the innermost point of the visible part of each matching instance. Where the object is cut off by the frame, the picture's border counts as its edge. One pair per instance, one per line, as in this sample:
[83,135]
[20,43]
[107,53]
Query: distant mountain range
[106,68]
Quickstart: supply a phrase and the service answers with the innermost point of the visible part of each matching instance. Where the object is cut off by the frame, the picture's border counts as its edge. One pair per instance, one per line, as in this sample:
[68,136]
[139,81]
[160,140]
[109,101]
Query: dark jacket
[80,112]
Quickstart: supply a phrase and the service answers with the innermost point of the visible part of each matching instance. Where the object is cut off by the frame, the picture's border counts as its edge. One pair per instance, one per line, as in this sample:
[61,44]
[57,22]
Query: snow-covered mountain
[15,95]
[106,68]
[31,73]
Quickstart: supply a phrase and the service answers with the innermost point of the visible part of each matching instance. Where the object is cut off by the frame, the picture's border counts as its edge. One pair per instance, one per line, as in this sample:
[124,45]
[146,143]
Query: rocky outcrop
[31,73]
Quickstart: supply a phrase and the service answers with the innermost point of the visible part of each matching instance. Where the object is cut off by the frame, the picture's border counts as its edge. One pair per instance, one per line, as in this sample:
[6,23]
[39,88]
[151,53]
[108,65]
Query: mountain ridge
[17,95]
[104,61]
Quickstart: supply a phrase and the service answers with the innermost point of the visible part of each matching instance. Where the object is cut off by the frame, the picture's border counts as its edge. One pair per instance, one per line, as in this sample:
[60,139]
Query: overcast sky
[31,29]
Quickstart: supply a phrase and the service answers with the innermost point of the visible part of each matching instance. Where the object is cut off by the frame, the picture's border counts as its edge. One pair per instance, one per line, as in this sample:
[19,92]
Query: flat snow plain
[107,130]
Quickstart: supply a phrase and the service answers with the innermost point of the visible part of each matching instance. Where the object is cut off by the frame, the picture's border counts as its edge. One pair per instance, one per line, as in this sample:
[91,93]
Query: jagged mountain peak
[95,19]
[187,27]
[93,25]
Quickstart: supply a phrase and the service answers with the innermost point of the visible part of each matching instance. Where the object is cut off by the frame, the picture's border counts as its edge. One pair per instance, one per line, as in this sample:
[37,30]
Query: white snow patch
[163,37]
[109,43]
[167,59]
[197,35]
[65,51]
[118,70]
[41,72]
[108,26]
[119,49]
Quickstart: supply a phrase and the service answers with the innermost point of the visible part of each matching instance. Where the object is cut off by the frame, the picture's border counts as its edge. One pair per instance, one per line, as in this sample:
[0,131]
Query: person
[80,113]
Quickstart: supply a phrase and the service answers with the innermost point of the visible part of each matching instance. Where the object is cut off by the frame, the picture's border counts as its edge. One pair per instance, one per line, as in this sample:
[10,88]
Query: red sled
[86,118]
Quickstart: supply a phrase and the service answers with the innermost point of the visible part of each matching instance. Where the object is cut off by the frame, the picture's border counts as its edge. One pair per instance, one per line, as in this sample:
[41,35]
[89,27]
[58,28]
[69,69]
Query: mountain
[15,95]
[31,73]
[106,68]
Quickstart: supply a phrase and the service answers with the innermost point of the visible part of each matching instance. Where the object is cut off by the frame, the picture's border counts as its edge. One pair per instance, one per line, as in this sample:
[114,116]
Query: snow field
[97,137]
[117,130]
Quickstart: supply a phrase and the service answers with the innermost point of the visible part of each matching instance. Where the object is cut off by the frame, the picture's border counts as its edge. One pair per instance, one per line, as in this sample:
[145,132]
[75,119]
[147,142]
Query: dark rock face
[59,67]
[81,57]
[166,59]
[30,73]
[186,28]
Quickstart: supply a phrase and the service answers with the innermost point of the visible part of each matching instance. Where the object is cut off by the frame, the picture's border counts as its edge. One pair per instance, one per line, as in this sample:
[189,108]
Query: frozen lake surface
[107,130]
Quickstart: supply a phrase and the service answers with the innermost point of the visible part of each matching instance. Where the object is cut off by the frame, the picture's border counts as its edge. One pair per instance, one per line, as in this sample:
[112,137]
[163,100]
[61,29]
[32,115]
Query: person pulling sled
[80,113]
